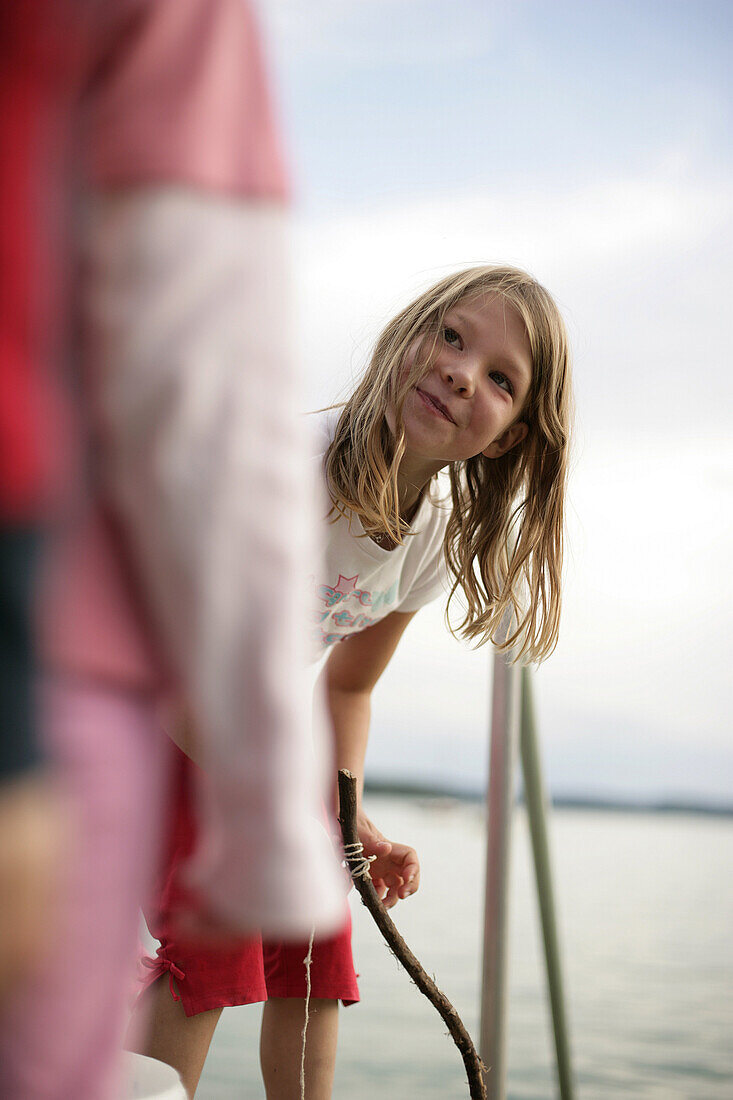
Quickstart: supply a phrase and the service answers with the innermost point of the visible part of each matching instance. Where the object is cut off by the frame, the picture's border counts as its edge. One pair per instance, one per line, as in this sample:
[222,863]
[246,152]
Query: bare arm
[351,673]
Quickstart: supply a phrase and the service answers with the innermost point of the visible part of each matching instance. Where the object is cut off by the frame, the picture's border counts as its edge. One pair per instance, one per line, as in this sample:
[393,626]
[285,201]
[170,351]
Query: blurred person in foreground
[176,574]
[34,471]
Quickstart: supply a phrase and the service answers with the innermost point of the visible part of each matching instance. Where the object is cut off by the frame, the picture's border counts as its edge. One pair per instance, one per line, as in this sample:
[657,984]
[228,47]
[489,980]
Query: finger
[379,867]
[392,879]
[387,874]
[410,865]
[391,898]
[411,880]
[378,848]
[411,873]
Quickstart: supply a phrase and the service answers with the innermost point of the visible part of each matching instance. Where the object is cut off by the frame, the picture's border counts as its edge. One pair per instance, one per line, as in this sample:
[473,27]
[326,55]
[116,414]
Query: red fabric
[39,54]
[219,977]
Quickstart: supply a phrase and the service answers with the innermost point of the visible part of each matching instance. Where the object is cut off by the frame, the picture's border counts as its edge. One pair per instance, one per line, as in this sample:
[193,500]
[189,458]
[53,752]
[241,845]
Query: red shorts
[249,971]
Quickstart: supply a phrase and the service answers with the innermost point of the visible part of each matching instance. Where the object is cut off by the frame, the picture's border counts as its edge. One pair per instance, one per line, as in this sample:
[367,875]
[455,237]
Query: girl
[473,376]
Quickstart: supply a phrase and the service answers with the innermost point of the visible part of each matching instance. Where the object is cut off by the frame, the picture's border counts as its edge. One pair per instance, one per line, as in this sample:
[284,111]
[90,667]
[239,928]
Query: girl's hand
[396,870]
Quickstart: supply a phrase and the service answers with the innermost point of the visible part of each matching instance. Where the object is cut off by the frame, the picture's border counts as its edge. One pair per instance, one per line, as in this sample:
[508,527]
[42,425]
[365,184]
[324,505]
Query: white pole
[500,801]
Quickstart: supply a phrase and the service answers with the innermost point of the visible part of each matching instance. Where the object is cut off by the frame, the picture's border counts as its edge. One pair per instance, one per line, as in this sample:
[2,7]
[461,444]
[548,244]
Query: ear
[511,438]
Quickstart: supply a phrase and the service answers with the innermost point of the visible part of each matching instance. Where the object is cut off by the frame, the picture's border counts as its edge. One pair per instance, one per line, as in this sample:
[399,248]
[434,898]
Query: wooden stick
[475,1068]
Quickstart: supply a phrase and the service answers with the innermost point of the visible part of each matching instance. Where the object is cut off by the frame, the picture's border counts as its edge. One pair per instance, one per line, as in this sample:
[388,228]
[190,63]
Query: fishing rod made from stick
[359,869]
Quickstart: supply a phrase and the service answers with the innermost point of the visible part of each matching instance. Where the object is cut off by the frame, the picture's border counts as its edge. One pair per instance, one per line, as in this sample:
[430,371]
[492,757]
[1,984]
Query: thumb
[377,847]
[373,842]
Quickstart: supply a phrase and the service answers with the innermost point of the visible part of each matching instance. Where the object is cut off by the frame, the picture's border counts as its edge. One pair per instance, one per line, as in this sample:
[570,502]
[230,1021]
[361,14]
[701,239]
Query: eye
[452,337]
[502,381]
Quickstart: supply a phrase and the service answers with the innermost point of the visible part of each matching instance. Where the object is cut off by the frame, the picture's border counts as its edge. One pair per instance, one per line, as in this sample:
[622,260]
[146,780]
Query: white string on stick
[356,861]
[307,961]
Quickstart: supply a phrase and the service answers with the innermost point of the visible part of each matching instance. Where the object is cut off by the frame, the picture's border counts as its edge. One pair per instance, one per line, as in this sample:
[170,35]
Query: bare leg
[281,1043]
[161,1029]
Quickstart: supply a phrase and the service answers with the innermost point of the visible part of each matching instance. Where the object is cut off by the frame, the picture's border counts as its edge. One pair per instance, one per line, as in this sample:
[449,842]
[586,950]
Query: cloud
[358,266]
[554,224]
[348,34]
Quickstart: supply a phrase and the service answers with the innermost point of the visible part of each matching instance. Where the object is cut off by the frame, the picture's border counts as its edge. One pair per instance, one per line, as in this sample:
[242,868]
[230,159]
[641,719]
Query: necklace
[384,539]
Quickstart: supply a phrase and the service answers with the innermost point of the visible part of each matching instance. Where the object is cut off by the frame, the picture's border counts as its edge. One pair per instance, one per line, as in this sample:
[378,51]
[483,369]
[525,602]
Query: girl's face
[471,399]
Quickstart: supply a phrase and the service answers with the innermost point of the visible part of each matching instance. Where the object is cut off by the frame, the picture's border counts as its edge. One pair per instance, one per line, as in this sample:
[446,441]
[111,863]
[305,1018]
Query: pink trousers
[61,1037]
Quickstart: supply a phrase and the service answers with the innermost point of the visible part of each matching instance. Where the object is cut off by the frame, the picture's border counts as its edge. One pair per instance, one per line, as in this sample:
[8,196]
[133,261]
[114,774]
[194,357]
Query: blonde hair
[517,498]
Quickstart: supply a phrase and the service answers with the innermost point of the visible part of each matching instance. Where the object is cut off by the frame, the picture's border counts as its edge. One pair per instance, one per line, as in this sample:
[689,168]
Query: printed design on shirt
[342,604]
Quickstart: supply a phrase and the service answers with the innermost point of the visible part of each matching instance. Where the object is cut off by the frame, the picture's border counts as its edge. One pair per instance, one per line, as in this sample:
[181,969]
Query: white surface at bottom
[149,1079]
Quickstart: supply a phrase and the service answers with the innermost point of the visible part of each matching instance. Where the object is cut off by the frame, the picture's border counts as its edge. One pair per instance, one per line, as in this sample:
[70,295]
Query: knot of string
[356,861]
[160,962]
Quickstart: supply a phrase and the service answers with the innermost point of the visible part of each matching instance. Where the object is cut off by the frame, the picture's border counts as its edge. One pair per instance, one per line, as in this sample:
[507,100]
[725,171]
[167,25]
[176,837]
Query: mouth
[434,404]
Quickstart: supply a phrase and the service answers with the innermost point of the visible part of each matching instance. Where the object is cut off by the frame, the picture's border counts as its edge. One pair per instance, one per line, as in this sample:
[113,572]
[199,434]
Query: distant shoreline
[566,801]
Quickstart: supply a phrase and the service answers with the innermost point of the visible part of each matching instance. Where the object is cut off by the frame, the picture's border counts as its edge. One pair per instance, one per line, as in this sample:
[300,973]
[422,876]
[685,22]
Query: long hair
[504,538]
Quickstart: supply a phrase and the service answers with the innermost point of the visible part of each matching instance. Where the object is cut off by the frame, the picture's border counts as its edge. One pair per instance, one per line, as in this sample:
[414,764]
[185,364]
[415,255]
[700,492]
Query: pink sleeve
[181,96]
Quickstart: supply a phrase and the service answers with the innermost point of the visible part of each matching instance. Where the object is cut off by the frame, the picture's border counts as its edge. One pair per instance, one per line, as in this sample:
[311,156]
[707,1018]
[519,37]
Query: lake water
[646,917]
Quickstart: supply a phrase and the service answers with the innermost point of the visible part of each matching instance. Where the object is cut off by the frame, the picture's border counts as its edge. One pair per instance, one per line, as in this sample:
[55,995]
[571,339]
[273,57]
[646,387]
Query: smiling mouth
[435,405]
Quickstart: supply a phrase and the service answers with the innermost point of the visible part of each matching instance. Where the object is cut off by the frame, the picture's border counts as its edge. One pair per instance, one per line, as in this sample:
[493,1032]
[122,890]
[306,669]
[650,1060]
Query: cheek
[490,420]
[420,359]
[408,376]
[404,381]
[409,362]
[390,413]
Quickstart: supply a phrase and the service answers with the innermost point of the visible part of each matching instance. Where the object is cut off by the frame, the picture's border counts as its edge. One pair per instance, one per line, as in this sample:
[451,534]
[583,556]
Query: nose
[461,377]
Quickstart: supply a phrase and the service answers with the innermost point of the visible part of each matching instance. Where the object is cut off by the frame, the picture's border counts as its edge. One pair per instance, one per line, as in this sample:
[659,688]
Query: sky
[590,144]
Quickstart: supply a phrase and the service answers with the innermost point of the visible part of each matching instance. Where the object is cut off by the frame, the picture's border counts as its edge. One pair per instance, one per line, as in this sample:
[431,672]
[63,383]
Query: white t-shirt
[361,583]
